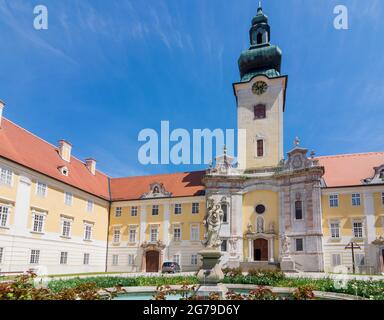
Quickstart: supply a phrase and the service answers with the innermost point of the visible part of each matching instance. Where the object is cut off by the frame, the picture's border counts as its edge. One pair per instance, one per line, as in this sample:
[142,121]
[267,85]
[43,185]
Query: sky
[105,70]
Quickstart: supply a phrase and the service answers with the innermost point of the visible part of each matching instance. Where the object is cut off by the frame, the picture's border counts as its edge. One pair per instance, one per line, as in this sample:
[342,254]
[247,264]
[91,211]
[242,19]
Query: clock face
[259,88]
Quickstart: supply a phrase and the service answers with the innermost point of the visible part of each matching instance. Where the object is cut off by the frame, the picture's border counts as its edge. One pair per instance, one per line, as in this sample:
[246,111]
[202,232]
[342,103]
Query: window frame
[354,197]
[260,147]
[68,228]
[302,245]
[194,260]
[134,211]
[178,238]
[134,232]
[88,233]
[332,229]
[224,243]
[68,195]
[41,186]
[6,177]
[115,260]
[116,235]
[63,258]
[360,230]
[118,212]
[152,232]
[259,112]
[90,205]
[194,206]
[34,257]
[131,259]
[332,199]
[178,260]
[86,258]
[339,258]
[1,254]
[197,233]
[178,209]
[155,210]
[36,214]
[4,214]
[301,210]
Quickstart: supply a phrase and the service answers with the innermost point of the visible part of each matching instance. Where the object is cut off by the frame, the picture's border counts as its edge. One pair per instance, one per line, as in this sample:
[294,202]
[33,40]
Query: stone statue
[260,225]
[212,222]
[233,244]
[285,245]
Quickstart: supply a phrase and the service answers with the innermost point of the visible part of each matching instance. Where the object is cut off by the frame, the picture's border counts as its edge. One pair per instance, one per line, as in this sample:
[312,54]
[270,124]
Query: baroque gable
[156,190]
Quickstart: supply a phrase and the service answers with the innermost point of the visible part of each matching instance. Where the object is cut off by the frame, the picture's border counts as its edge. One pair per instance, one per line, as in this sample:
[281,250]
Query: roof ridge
[49,143]
[351,154]
[158,175]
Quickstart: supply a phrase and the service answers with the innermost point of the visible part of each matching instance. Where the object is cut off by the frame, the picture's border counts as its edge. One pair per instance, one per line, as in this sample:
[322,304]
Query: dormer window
[64,171]
[259,111]
[156,190]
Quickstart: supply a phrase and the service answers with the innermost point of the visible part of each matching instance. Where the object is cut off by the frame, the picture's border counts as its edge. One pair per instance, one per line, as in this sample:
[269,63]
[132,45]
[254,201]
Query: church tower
[260,96]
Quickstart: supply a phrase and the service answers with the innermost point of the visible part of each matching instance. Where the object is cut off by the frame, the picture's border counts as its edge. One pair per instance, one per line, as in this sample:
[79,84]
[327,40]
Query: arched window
[299,210]
[156,190]
[260,148]
[259,111]
[259,38]
[224,207]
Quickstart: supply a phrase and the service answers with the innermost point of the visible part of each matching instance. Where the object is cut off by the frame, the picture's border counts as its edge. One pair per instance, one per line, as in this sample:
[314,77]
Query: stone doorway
[152,261]
[260,250]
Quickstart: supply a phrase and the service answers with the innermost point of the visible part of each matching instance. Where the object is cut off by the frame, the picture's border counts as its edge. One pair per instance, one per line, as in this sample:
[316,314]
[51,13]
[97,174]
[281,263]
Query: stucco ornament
[212,223]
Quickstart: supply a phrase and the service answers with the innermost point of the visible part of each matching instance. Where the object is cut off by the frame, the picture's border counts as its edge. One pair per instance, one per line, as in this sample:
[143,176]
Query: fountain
[210,274]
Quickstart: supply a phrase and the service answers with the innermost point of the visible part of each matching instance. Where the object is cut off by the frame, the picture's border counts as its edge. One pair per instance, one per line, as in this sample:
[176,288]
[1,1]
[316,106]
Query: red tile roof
[183,184]
[350,169]
[24,148]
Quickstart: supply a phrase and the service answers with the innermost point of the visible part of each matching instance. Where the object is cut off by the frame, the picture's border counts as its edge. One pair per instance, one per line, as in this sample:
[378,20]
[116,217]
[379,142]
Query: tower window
[224,207]
[298,210]
[260,148]
[259,38]
[259,111]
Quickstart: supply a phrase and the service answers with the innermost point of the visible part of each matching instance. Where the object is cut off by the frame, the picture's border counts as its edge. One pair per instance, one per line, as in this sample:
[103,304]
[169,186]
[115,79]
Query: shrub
[304,293]
[234,272]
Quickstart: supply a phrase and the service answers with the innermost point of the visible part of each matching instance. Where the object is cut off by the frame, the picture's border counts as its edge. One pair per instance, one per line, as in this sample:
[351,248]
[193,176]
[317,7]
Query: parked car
[170,267]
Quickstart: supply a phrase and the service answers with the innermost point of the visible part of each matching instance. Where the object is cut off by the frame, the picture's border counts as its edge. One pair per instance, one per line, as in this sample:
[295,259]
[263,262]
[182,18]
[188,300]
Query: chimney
[91,165]
[65,149]
[2,105]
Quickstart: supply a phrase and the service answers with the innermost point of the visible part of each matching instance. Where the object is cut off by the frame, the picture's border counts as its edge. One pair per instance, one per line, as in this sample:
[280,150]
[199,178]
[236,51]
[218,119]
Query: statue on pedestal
[212,223]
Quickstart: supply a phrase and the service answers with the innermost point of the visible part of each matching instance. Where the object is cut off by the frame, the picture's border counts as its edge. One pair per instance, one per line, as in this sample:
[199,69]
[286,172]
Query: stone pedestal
[210,272]
[287,264]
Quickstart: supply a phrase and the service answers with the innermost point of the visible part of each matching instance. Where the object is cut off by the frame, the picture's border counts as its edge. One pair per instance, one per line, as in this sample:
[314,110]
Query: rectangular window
[38,222]
[66,228]
[5,176]
[299,244]
[118,211]
[224,245]
[4,212]
[131,260]
[115,260]
[299,210]
[41,190]
[176,258]
[359,259]
[260,148]
[133,211]
[132,235]
[63,257]
[334,201]
[116,235]
[194,259]
[178,208]
[382,198]
[89,205]
[224,207]
[154,234]
[35,257]
[87,232]
[68,198]
[259,111]
[356,200]
[86,259]
[1,254]
[358,229]
[336,260]
[195,236]
[176,234]
[335,230]
[155,210]
[195,208]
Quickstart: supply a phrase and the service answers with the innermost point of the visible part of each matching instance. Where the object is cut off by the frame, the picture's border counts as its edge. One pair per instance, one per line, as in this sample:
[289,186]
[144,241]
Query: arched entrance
[152,261]
[260,250]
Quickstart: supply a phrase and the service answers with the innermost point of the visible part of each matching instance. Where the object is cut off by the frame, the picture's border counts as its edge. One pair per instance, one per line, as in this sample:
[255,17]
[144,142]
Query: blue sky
[104,70]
